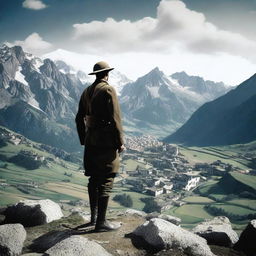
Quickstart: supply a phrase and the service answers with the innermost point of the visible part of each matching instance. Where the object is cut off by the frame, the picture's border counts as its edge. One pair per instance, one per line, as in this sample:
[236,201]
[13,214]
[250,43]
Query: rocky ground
[159,236]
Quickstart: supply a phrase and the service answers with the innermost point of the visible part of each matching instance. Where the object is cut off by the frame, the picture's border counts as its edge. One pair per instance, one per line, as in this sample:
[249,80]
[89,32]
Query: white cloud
[34,44]
[231,70]
[34,4]
[175,26]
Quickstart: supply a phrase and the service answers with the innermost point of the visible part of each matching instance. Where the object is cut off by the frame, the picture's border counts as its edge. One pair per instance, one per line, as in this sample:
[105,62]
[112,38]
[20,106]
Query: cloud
[34,4]
[34,44]
[175,27]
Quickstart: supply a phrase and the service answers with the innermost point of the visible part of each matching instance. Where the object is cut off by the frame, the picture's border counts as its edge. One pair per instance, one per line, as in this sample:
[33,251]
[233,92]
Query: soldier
[99,128]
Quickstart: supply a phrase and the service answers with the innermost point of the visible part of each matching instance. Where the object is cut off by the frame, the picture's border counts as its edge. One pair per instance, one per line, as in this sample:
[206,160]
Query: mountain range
[39,98]
[158,104]
[230,119]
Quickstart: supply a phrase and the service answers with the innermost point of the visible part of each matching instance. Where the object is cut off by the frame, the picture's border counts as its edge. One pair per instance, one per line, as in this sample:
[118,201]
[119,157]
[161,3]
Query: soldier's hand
[121,149]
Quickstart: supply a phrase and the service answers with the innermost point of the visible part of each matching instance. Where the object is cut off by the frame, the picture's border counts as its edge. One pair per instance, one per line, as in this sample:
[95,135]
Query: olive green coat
[101,142]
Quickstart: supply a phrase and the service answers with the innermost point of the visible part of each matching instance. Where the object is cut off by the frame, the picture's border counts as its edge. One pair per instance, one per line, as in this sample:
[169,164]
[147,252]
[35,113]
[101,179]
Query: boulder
[217,231]
[135,212]
[174,220]
[161,234]
[12,237]
[246,242]
[77,245]
[33,212]
[84,214]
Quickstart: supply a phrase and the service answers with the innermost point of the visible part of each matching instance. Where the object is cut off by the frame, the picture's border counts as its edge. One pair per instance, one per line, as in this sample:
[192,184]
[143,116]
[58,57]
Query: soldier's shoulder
[110,89]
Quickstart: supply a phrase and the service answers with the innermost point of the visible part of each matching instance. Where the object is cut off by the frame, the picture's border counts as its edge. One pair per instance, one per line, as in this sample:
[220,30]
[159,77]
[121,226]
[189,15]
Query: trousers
[101,186]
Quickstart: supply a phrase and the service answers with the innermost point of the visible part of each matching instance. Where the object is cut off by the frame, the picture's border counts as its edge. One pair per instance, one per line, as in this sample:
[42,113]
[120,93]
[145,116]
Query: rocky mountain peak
[155,78]
[50,69]
[199,85]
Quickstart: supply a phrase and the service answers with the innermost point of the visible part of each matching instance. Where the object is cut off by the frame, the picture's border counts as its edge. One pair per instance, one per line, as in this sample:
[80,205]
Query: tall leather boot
[102,225]
[93,198]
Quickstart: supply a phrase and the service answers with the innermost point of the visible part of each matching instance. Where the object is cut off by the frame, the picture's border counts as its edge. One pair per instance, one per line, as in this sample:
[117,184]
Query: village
[163,172]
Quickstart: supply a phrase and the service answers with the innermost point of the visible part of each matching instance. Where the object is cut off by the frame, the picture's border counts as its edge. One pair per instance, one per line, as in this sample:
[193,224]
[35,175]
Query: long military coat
[104,136]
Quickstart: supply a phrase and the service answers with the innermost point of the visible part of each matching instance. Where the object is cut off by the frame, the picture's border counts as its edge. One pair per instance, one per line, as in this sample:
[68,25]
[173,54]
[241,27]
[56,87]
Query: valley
[140,176]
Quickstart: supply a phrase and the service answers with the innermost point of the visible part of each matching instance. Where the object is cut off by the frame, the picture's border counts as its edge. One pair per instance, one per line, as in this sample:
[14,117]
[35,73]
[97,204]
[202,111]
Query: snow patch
[20,77]
[154,91]
[29,56]
[63,71]
[37,63]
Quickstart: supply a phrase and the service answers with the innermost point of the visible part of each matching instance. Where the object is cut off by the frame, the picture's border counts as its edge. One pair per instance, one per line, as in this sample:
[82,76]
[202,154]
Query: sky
[213,39]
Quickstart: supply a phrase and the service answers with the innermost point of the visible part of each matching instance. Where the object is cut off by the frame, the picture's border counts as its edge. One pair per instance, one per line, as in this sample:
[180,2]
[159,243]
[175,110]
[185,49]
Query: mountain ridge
[226,120]
[159,100]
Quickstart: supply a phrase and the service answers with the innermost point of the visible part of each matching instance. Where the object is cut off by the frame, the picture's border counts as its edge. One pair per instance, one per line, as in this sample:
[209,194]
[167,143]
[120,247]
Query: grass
[211,154]
[131,165]
[248,180]
[197,199]
[137,203]
[189,214]
[234,209]
[244,203]
[195,210]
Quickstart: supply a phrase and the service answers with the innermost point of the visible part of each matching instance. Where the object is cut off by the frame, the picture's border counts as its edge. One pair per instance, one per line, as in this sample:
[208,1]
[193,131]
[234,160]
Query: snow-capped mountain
[156,102]
[208,89]
[81,65]
[38,100]
[116,79]
[229,119]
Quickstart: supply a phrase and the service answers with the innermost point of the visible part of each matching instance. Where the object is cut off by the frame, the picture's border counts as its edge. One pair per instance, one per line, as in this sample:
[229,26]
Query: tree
[124,199]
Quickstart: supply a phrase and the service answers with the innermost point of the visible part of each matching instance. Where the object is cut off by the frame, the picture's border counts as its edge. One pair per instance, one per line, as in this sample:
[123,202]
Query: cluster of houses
[155,182]
[15,139]
[164,171]
[139,143]
[216,168]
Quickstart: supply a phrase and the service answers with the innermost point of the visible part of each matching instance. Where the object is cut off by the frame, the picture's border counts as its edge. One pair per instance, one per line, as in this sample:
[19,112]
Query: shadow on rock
[140,243]
[46,241]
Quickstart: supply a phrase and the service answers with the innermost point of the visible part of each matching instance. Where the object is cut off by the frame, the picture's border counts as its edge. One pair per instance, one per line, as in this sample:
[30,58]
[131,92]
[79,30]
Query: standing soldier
[99,128]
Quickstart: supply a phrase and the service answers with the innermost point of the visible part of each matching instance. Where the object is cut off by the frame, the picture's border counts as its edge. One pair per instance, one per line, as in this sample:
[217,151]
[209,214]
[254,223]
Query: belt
[93,122]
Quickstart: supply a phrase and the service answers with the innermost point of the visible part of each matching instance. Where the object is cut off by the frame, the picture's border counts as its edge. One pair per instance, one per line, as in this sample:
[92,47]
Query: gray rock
[85,215]
[135,212]
[32,254]
[246,242]
[217,231]
[12,237]
[161,234]
[33,212]
[77,245]
[174,220]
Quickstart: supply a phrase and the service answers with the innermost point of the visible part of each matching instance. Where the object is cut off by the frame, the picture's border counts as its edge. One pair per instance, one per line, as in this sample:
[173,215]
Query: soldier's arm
[80,126]
[115,112]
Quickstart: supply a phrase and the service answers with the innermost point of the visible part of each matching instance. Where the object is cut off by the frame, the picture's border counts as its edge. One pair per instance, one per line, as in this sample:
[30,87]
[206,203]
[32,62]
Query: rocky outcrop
[12,237]
[33,212]
[246,242]
[217,231]
[162,234]
[77,245]
[174,220]
[135,212]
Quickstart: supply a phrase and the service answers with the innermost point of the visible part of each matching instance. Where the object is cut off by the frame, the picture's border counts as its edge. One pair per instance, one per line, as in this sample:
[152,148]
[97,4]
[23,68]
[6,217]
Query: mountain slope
[156,102]
[229,119]
[37,99]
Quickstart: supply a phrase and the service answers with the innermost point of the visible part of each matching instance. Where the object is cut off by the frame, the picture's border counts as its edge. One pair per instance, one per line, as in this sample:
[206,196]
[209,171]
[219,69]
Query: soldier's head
[101,70]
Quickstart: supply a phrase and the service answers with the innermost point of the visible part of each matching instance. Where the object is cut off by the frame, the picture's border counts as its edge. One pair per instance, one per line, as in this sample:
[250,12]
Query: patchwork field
[210,154]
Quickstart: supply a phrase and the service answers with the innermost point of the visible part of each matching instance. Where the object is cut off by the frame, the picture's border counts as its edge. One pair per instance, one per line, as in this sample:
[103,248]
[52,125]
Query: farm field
[250,203]
[234,209]
[211,154]
[197,199]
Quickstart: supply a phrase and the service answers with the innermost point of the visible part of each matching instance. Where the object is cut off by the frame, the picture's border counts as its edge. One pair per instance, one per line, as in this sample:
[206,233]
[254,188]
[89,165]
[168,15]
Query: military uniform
[100,130]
